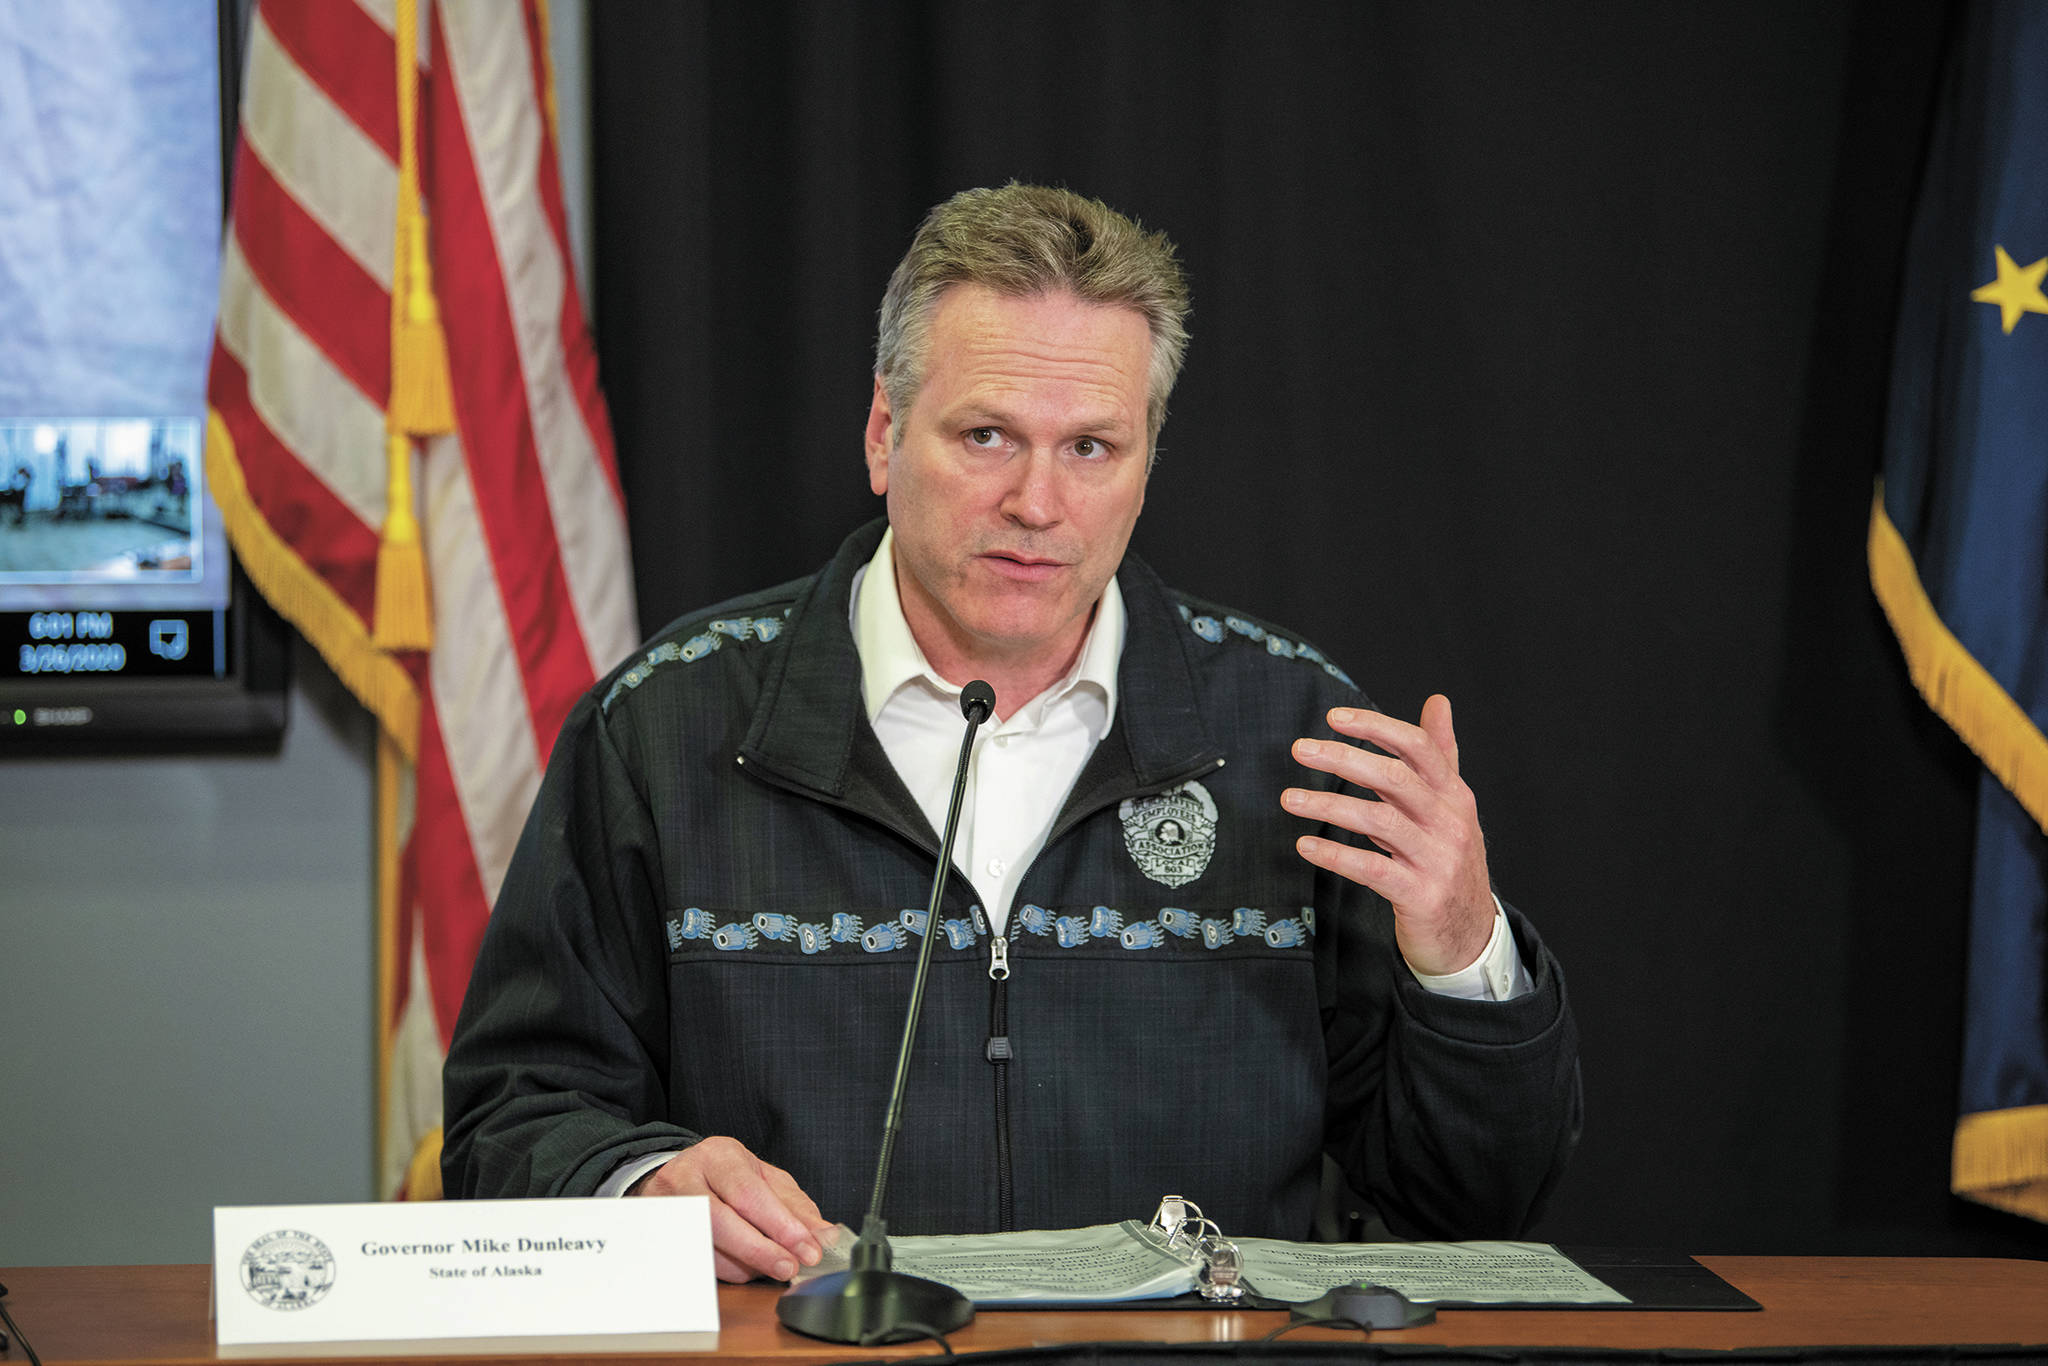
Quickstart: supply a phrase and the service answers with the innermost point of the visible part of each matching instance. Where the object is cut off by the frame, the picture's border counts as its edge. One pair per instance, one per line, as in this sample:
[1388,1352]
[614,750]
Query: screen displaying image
[113,562]
[104,501]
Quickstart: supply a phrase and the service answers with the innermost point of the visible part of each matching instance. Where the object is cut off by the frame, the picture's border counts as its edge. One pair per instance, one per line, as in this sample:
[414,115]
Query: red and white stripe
[520,507]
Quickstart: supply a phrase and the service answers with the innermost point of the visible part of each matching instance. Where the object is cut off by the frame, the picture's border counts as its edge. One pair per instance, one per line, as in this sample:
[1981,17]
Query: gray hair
[1023,241]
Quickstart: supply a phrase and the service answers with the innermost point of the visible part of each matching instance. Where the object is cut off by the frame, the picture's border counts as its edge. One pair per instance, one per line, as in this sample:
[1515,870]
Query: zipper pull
[998,958]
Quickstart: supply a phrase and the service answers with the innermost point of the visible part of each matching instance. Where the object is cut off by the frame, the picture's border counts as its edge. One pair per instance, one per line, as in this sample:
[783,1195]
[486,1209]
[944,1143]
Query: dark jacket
[711,922]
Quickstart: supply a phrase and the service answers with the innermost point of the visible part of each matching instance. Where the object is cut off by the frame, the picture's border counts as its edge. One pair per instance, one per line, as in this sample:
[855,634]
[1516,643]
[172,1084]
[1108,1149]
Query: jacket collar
[810,730]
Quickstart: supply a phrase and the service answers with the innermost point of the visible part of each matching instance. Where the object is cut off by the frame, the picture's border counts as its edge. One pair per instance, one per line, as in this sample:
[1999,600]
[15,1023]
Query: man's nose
[1035,497]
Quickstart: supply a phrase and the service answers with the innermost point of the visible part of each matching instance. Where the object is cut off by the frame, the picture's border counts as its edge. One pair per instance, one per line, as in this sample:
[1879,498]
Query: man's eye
[1088,448]
[988,438]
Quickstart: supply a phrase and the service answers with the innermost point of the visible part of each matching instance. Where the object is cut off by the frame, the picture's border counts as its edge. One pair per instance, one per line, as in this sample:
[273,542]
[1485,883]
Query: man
[16,491]
[1185,949]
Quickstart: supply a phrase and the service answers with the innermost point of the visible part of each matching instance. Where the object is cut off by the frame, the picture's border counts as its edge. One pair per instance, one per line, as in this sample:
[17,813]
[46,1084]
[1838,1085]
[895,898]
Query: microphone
[871,1302]
[977,704]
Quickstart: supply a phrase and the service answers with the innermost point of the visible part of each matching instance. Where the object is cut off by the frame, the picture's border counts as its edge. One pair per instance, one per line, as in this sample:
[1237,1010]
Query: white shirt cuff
[632,1169]
[1496,974]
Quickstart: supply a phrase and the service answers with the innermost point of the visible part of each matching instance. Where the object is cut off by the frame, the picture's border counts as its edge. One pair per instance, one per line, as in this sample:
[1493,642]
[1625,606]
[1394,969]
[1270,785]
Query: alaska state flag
[1959,555]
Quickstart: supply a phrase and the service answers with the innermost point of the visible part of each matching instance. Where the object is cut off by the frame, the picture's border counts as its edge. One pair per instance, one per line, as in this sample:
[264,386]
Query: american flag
[486,484]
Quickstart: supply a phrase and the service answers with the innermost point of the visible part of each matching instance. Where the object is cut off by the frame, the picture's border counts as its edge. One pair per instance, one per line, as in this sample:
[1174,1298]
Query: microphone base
[870,1307]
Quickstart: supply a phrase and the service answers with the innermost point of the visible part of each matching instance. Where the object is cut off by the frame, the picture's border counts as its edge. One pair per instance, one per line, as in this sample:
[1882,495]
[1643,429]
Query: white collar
[891,660]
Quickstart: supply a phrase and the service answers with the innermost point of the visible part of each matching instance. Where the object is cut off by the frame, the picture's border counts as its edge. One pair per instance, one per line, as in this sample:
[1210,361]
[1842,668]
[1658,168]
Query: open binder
[1181,1259]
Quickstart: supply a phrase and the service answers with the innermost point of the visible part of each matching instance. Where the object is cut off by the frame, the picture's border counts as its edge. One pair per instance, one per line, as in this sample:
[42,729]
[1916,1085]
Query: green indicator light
[20,717]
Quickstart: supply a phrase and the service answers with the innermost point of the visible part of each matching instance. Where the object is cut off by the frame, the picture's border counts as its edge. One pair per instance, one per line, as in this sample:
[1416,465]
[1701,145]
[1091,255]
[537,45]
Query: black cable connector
[15,1328]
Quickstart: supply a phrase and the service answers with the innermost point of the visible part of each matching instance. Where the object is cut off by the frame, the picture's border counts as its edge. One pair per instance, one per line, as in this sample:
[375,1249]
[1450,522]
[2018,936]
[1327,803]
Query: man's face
[1014,480]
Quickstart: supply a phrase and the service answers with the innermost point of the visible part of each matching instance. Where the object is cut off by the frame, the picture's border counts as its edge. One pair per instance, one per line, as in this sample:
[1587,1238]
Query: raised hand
[1428,857]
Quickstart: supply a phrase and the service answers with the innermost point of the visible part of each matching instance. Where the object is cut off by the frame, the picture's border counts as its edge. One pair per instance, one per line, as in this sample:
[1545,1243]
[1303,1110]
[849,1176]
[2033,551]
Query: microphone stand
[871,1302]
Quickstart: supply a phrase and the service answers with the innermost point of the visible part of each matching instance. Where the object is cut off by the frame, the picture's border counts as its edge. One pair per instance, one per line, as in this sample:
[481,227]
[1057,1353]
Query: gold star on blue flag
[2017,290]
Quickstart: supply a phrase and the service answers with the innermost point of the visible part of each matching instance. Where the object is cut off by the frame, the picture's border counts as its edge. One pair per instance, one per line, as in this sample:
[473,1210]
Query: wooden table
[158,1314]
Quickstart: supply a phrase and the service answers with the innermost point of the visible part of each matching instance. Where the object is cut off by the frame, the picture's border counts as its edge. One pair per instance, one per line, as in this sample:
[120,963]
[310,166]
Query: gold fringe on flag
[423,1176]
[2001,1159]
[402,617]
[420,403]
[1959,689]
[304,599]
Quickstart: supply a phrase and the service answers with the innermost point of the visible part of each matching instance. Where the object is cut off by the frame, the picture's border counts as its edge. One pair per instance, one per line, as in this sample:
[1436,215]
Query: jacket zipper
[998,1054]
[1000,1048]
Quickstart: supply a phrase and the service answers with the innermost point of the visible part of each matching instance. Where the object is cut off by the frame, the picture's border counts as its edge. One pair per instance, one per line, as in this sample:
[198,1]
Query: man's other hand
[1430,863]
[762,1223]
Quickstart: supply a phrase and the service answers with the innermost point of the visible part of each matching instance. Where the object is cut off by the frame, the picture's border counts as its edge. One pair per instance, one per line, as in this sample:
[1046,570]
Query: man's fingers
[1393,779]
[1419,747]
[1436,720]
[745,1186]
[794,1198]
[1368,867]
[735,1240]
[1382,822]
[1430,856]
[762,1222]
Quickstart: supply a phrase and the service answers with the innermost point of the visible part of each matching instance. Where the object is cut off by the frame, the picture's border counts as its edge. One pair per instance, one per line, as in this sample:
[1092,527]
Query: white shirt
[1021,768]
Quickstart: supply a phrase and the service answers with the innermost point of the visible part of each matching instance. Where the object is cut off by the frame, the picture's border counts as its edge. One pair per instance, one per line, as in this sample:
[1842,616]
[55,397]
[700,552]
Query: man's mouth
[1022,568]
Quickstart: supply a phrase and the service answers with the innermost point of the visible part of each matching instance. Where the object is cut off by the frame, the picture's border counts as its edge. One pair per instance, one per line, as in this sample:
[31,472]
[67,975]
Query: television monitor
[123,620]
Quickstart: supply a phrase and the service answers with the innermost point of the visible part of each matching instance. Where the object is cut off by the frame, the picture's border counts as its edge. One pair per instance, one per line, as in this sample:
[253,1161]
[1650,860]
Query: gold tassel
[419,403]
[403,618]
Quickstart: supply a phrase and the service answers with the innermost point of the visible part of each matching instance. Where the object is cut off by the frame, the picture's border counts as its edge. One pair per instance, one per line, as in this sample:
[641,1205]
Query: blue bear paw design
[884,937]
[1285,934]
[1142,935]
[735,936]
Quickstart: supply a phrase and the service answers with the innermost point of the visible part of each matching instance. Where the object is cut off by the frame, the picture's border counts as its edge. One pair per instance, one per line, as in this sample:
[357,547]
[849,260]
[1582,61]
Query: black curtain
[1539,358]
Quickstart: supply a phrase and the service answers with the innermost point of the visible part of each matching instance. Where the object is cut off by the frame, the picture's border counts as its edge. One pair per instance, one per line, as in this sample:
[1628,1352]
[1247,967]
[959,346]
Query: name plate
[637,1272]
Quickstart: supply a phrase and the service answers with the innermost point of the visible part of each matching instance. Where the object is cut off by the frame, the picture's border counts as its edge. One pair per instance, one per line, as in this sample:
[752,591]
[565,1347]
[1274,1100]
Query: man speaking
[1212,917]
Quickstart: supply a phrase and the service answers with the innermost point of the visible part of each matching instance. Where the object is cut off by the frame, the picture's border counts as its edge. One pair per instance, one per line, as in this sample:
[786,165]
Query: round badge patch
[1172,834]
[287,1270]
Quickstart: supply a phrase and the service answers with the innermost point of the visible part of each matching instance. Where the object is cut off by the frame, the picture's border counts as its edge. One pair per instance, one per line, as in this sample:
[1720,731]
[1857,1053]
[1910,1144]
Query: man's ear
[880,430]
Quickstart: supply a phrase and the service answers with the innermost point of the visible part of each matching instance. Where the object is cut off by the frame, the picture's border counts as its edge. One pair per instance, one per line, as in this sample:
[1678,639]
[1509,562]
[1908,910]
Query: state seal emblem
[1171,834]
[287,1270]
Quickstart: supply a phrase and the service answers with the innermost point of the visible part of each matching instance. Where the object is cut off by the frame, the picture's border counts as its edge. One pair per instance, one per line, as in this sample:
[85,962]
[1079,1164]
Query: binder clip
[1171,1216]
[1181,1225]
[1222,1270]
